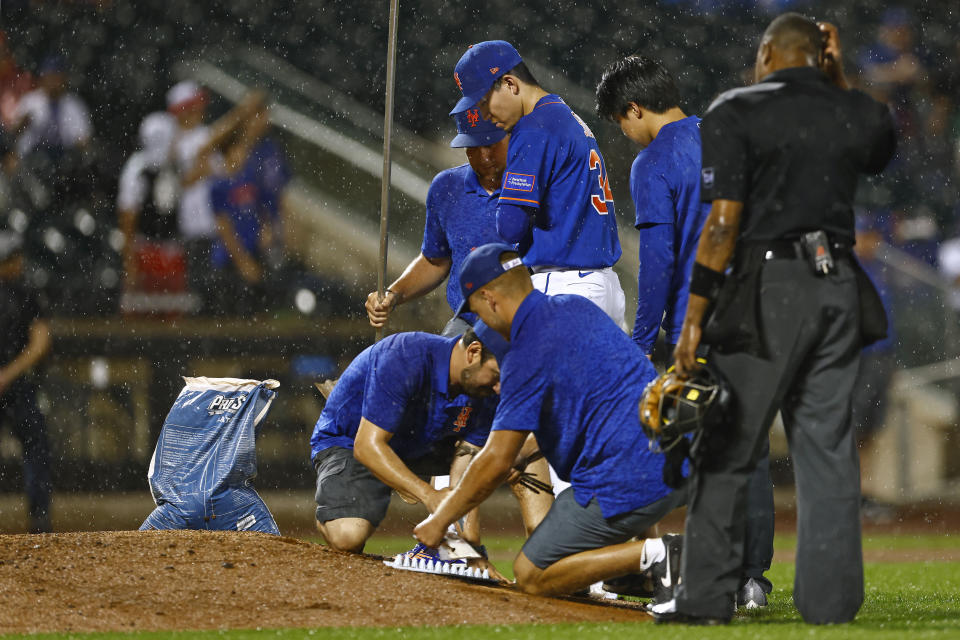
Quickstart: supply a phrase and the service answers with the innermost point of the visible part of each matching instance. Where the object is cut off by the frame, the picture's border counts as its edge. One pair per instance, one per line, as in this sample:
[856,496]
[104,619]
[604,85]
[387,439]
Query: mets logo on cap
[473,117]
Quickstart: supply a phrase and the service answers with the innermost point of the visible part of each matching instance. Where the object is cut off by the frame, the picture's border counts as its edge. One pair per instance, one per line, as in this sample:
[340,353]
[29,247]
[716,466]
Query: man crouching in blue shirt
[573,378]
[396,413]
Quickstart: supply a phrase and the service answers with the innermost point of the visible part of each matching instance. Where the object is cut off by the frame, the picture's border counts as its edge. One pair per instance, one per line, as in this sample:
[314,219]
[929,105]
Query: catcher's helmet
[671,406]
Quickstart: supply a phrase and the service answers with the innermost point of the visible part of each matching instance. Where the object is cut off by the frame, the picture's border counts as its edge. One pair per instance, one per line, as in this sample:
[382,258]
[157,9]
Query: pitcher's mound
[175,580]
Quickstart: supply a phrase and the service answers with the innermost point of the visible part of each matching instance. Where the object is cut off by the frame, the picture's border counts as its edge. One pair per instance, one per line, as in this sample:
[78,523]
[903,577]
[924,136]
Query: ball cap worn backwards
[481,266]
[480,67]
[474,131]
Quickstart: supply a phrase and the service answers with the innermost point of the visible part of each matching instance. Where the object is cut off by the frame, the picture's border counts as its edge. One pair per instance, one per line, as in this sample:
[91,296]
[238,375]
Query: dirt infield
[177,580]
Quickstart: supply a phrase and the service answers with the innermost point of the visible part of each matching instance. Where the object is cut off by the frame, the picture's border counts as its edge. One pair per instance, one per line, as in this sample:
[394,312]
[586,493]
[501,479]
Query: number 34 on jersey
[602,195]
[601,191]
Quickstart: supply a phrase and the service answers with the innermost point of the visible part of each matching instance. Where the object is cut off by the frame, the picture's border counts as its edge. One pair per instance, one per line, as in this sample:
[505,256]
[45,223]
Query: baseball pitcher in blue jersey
[555,200]
[201,473]
[640,95]
[573,379]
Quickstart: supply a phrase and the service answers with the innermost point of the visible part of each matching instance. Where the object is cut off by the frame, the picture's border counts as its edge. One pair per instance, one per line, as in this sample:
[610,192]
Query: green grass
[912,600]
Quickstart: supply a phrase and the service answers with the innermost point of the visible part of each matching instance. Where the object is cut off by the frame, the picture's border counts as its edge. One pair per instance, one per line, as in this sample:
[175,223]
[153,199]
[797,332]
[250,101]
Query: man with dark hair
[26,341]
[396,413]
[573,379]
[781,160]
[640,95]
[555,200]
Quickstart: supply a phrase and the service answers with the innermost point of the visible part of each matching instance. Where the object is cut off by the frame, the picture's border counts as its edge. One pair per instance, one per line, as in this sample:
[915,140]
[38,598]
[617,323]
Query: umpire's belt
[792,249]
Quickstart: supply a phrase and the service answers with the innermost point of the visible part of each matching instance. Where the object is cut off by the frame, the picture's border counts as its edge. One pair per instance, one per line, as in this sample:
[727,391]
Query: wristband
[396,296]
[705,282]
[483,551]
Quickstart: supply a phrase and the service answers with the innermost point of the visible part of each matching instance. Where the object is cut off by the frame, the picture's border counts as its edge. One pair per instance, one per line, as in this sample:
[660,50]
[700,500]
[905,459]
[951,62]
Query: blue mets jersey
[461,216]
[665,185]
[201,470]
[401,384]
[554,166]
[581,400]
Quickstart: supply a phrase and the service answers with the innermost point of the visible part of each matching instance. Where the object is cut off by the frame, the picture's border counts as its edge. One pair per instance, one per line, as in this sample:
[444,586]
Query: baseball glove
[654,415]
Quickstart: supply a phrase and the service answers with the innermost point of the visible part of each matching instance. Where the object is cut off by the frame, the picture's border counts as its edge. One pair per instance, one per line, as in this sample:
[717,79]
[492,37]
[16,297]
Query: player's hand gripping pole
[387,136]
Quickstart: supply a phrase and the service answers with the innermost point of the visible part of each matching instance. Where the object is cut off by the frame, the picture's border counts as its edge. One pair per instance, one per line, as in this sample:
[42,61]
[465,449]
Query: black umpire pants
[810,325]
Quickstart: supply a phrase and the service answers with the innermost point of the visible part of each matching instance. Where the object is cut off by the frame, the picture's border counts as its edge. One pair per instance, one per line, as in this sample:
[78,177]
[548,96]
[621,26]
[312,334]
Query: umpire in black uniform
[780,164]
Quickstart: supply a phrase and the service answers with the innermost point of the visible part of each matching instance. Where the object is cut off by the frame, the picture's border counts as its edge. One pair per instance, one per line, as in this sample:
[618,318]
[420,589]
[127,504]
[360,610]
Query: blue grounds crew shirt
[240,199]
[400,384]
[574,379]
[665,185]
[268,167]
[461,216]
[554,166]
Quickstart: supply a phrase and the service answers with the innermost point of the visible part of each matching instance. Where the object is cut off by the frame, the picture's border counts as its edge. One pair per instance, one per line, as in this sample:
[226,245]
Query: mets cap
[480,267]
[479,68]
[474,131]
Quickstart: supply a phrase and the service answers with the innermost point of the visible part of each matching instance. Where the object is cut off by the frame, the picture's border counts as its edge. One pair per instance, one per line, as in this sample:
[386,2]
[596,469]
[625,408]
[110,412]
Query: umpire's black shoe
[666,573]
[666,613]
[684,618]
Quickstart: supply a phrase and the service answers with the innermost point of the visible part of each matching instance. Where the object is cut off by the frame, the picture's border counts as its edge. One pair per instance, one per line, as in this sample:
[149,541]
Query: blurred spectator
[26,342]
[14,83]
[890,64]
[249,253]
[878,361]
[949,262]
[196,150]
[149,191]
[50,117]
[187,101]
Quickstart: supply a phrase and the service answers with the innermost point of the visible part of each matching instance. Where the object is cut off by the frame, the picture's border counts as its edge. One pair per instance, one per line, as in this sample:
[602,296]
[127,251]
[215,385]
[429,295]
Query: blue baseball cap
[480,267]
[474,131]
[479,67]
[491,340]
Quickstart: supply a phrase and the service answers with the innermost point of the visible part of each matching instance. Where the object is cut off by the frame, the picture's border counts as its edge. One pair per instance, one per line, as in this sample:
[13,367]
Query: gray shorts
[569,528]
[347,489]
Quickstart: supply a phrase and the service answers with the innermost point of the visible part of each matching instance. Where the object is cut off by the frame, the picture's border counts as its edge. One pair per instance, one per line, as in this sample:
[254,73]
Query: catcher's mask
[671,406]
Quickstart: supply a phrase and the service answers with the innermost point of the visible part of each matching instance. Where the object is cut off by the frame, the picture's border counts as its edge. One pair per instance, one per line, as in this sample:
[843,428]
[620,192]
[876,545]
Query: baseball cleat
[666,573]
[751,595]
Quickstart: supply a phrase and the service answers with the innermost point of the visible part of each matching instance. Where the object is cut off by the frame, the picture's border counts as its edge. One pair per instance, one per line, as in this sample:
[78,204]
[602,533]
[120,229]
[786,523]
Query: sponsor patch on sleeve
[519,181]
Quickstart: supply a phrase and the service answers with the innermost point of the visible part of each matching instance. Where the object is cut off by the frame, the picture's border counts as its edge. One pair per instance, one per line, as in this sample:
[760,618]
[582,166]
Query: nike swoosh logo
[584,274]
[667,580]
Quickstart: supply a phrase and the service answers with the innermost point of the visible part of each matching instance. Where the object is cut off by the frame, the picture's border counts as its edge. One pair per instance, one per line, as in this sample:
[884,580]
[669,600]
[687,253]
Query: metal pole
[387,135]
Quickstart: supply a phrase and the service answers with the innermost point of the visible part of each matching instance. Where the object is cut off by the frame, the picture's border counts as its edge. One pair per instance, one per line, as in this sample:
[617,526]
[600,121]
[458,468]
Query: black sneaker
[666,613]
[676,617]
[666,573]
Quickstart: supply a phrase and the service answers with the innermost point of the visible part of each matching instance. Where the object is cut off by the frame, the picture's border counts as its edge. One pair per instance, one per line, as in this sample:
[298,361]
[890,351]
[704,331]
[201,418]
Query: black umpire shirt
[790,148]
